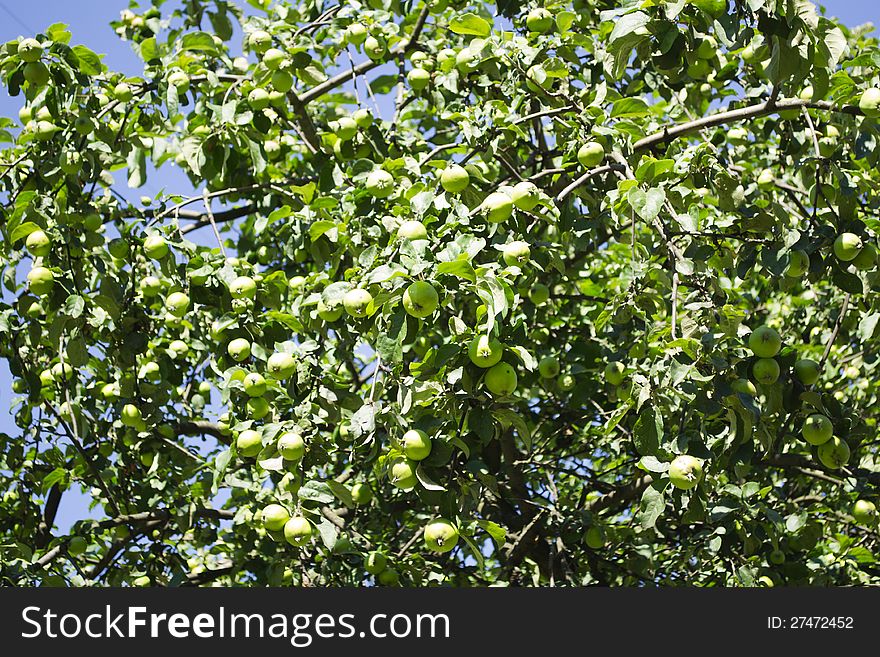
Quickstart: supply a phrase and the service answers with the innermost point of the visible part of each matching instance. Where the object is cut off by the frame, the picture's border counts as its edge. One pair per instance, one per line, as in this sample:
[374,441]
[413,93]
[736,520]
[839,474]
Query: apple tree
[556,293]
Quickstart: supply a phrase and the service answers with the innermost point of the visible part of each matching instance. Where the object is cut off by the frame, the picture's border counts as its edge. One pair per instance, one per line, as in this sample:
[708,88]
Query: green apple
[62,371]
[817,429]
[150,372]
[260,40]
[798,264]
[807,371]
[454,179]
[865,512]
[591,154]
[180,81]
[281,365]
[525,195]
[131,416]
[123,92]
[834,454]
[177,348]
[847,246]
[566,382]
[375,563]
[380,183]
[869,102]
[37,73]
[361,494]
[118,248]
[70,162]
[298,531]
[498,207]
[420,299]
[418,78]
[328,314]
[38,244]
[549,367]
[29,50]
[516,253]
[441,535]
[595,538]
[745,387]
[363,118]
[177,303]
[239,349]
[866,260]
[357,302]
[254,385]
[243,287]
[412,230]
[416,444]
[273,58]
[257,408]
[765,342]
[374,47]
[766,371]
[446,59]
[539,20]
[150,286]
[501,379]
[685,471]
[274,517]
[356,33]
[346,128]
[766,179]
[258,99]
[155,247]
[485,351]
[84,125]
[402,474]
[77,545]
[388,577]
[291,446]
[40,280]
[539,294]
[614,373]
[249,443]
[110,391]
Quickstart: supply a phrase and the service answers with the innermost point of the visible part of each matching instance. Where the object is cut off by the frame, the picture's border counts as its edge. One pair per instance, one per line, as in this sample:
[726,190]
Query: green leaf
[87,61]
[629,107]
[647,204]
[510,418]
[342,492]
[149,50]
[198,41]
[651,507]
[648,432]
[23,231]
[389,343]
[316,491]
[470,24]
[425,480]
[496,531]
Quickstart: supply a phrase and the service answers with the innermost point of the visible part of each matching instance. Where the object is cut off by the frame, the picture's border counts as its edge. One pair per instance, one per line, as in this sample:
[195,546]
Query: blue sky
[88,20]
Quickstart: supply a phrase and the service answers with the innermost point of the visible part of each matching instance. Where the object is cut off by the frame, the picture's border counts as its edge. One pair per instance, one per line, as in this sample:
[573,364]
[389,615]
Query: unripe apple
[356,34]
[412,230]
[38,244]
[258,99]
[591,154]
[614,373]
[298,531]
[420,299]
[274,517]
[40,280]
[328,314]
[180,81]
[380,183]
[539,294]
[249,443]
[243,287]
[357,302]
[441,535]
[418,78]
[446,59]
[361,494]
[346,128]
[123,92]
[260,40]
[110,391]
[150,372]
[363,118]
[501,379]
[485,351]
[177,303]
[375,563]
[77,545]
[273,58]
[131,416]
[254,385]
[539,20]
[239,349]
[807,371]
[549,367]
[817,429]
[155,247]
[765,342]
[374,47]
[847,246]
[291,446]
[388,577]
[595,538]
[37,73]
[566,382]
[29,50]
[178,348]
[766,371]
[62,371]
[798,263]
[745,387]
[257,408]
[150,286]
[416,444]
[402,474]
[685,471]
[454,179]
[70,162]
[865,512]
[869,102]
[834,454]
[498,207]
[525,195]
[867,258]
[84,125]
[516,253]
[766,179]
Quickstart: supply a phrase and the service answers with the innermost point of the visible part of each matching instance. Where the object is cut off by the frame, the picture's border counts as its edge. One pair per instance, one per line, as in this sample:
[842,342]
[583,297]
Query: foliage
[693,165]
